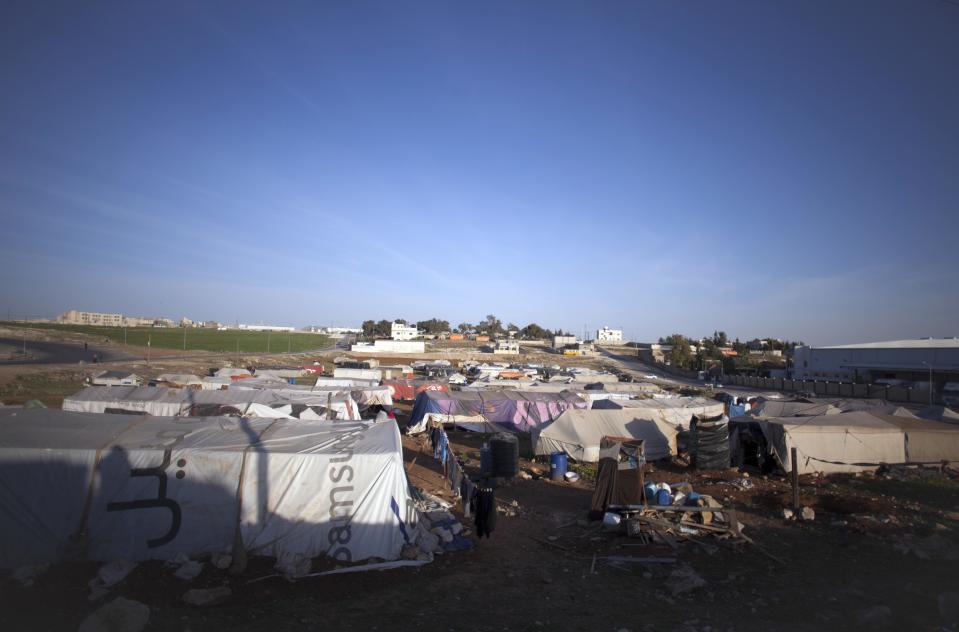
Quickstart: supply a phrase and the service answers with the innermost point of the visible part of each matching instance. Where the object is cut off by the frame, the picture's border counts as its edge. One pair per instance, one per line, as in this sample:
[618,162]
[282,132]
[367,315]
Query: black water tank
[504,452]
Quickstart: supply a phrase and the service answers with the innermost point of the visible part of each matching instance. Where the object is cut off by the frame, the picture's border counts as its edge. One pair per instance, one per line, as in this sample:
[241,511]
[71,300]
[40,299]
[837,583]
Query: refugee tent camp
[579,433]
[849,442]
[170,402]
[111,487]
[517,411]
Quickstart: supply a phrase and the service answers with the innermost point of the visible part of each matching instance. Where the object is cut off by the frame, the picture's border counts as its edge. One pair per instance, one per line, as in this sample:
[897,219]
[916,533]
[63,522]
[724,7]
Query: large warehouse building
[895,360]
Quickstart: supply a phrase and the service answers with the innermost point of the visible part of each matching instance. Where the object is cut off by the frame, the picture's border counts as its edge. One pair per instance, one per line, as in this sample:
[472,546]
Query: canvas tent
[110,487]
[170,402]
[517,411]
[179,380]
[678,411]
[854,441]
[579,433]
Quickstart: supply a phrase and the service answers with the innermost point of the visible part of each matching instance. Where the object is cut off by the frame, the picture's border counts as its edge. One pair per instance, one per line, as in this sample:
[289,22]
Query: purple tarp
[518,411]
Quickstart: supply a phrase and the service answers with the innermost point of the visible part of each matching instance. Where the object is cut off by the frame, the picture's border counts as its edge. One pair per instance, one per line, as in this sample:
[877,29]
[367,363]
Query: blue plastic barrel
[664,498]
[291,380]
[558,464]
[651,490]
[486,460]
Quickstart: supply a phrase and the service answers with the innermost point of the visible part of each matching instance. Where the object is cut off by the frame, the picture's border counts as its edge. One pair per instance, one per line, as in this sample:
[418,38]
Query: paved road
[56,352]
[637,368]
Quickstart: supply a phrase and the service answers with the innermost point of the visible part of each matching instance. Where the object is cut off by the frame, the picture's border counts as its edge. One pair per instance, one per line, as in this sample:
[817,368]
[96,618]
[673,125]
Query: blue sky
[787,169]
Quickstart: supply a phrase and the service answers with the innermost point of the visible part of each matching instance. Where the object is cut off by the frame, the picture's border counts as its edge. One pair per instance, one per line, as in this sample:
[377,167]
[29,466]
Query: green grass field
[196,339]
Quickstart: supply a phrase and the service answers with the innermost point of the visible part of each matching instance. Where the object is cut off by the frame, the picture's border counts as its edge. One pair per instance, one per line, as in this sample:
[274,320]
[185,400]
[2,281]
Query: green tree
[491,325]
[369,327]
[681,355]
[533,331]
[433,326]
[464,327]
[383,328]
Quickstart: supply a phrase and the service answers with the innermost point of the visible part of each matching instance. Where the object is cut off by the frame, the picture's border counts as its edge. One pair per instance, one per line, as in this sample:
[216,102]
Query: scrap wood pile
[675,524]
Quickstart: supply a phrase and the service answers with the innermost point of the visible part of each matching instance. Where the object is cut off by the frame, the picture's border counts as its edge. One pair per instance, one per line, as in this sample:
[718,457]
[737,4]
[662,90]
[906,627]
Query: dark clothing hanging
[484,505]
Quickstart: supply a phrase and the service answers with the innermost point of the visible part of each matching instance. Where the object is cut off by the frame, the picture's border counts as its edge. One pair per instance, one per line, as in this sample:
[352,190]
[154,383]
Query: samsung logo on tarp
[341,495]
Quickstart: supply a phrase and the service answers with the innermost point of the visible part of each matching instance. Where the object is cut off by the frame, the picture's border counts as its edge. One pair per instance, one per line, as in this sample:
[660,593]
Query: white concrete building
[507,347]
[561,341]
[399,331]
[609,335]
[390,346]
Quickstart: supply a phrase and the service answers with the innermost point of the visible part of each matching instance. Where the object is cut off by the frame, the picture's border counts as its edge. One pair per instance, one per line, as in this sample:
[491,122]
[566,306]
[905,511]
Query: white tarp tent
[170,402]
[110,487]
[359,374]
[578,433]
[678,411]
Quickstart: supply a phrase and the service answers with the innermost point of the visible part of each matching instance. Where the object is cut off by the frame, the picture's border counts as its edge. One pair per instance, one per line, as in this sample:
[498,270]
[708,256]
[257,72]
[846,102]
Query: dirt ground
[880,552]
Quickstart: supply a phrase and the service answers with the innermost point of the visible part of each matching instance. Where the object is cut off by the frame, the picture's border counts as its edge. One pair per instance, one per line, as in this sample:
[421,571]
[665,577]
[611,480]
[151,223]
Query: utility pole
[124,336]
[268,342]
[289,343]
[237,350]
[184,338]
[930,382]
[149,341]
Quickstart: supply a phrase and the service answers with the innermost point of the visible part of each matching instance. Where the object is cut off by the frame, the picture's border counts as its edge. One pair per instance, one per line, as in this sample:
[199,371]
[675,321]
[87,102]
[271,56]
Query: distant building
[273,328]
[399,331]
[506,347]
[336,331]
[74,317]
[390,346]
[98,319]
[561,341]
[609,335]
[900,360]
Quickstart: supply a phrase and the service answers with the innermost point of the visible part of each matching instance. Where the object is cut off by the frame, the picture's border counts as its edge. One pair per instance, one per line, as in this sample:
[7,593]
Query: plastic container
[664,498]
[504,453]
[558,465]
[486,460]
[650,489]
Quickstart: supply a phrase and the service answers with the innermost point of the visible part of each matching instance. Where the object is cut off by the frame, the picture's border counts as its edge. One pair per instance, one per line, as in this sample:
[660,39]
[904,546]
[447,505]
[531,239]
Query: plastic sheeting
[709,444]
[109,487]
[678,411]
[502,410]
[408,389]
[170,402]
[579,433]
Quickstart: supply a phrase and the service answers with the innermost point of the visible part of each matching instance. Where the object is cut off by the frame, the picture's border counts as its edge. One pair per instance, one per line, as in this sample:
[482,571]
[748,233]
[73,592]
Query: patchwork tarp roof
[578,433]
[678,411]
[503,410]
[171,402]
[364,396]
[110,487]
[857,441]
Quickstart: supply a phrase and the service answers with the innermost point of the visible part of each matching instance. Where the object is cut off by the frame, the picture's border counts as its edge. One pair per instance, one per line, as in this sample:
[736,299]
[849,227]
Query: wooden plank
[680,508]
[640,560]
